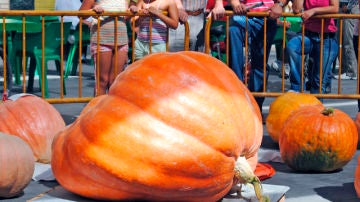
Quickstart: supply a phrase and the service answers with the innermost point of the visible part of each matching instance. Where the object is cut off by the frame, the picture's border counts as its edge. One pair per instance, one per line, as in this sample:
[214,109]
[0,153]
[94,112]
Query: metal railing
[266,93]
[84,14]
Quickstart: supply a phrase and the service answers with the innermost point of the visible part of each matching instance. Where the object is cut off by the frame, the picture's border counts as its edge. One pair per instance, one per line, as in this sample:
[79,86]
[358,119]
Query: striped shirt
[194,5]
[107,31]
[159,30]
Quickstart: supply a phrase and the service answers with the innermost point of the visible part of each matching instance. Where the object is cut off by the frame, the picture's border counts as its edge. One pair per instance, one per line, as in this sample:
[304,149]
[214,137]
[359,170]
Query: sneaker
[342,77]
[292,91]
[287,72]
[276,65]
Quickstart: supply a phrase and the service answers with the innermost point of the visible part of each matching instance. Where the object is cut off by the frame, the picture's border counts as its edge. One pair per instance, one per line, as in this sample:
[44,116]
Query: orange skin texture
[170,129]
[16,165]
[35,121]
[282,107]
[307,129]
[357,170]
[357,178]
[357,122]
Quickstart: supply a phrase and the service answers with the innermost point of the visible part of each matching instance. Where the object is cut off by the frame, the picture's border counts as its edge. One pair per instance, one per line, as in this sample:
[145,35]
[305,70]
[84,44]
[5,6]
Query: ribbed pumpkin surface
[16,165]
[171,128]
[34,120]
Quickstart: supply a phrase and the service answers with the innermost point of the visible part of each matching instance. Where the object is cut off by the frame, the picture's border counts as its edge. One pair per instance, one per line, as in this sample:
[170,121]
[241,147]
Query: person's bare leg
[122,58]
[105,68]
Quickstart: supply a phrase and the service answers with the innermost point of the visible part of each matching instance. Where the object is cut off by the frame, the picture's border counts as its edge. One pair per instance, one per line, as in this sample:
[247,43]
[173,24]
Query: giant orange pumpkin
[282,107]
[315,138]
[171,128]
[16,165]
[32,119]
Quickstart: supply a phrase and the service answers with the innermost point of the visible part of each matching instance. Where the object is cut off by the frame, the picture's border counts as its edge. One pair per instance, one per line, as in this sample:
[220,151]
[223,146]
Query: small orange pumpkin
[32,119]
[171,128]
[16,165]
[320,139]
[282,107]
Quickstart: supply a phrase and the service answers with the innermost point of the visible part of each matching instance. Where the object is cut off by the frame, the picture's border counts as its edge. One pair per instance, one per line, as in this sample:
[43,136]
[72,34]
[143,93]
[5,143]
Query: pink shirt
[313,24]
[265,7]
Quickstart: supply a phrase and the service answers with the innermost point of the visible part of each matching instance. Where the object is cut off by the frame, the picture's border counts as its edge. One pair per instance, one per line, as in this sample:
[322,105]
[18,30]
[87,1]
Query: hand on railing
[239,8]
[98,9]
[305,15]
[133,9]
[217,12]
[275,11]
[183,16]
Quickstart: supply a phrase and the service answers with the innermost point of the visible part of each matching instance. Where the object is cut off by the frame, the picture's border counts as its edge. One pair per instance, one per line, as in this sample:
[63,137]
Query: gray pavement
[317,187]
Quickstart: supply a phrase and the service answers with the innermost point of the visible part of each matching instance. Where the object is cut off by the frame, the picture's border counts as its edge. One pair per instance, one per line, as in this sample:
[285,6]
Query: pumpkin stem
[328,111]
[245,174]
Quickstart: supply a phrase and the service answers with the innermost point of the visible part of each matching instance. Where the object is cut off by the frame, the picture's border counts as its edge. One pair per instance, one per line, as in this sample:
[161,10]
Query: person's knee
[233,31]
[291,47]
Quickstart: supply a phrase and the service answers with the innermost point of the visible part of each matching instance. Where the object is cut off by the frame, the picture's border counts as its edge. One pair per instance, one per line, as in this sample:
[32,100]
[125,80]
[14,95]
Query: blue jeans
[312,47]
[255,29]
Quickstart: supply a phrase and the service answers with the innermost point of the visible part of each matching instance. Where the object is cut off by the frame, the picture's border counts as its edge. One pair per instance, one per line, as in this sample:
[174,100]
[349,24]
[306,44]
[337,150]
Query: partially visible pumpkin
[171,128]
[319,139]
[32,119]
[357,122]
[357,178]
[282,107]
[16,165]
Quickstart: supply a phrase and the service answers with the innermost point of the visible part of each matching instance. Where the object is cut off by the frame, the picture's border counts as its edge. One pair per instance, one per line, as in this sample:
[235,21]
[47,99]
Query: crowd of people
[195,14]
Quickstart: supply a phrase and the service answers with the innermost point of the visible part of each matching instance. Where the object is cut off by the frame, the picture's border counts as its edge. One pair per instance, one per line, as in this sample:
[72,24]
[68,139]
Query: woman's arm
[238,7]
[132,6]
[137,9]
[332,8]
[172,19]
[87,5]
[218,11]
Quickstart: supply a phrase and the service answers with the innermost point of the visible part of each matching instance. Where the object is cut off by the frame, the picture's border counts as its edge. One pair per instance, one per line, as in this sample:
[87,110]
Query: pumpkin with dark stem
[171,128]
[32,119]
[315,138]
[16,165]
[281,108]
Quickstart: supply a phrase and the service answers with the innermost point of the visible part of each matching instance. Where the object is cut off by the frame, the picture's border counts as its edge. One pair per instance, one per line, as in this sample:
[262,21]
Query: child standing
[109,64]
[154,39]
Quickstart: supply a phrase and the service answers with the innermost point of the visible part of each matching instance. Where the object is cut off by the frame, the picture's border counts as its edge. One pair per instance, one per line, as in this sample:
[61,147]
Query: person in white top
[63,5]
[66,5]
